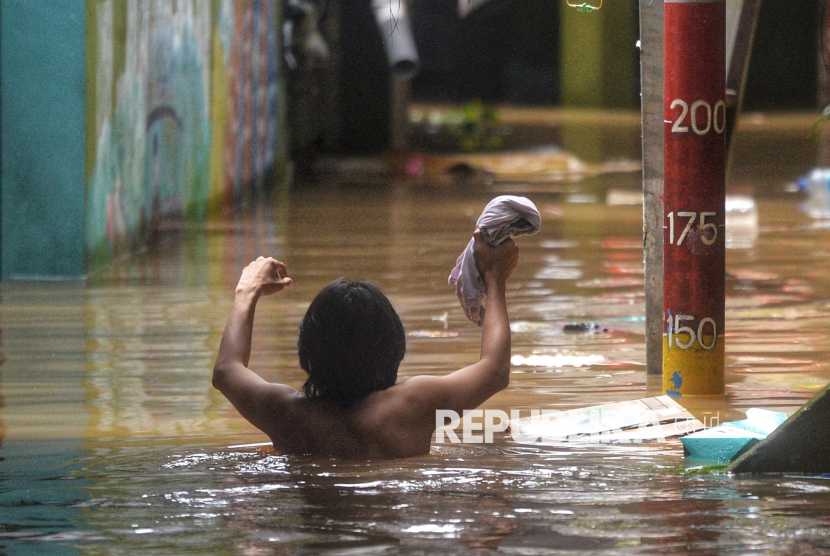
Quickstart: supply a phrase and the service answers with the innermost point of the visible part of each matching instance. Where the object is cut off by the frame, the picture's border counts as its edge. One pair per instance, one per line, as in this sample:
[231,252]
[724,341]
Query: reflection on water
[113,441]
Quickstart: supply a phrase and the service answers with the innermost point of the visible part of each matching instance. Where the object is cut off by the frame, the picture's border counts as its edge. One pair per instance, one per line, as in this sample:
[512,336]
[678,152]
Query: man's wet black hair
[351,342]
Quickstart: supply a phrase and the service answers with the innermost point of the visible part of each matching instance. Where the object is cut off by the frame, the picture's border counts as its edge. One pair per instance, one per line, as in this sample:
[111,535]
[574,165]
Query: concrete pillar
[651,64]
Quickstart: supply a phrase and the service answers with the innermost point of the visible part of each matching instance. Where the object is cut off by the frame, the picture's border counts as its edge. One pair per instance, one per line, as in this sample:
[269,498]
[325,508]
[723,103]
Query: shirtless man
[351,343]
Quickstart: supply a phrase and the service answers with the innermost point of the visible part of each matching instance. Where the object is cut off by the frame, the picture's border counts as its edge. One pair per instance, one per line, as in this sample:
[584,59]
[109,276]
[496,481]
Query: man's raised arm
[471,386]
[249,393]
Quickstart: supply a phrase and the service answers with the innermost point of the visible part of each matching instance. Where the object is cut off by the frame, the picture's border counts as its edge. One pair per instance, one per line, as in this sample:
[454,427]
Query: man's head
[351,342]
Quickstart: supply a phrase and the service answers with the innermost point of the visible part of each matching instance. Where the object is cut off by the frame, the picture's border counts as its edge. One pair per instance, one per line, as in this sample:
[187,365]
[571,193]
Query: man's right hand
[264,276]
[495,263]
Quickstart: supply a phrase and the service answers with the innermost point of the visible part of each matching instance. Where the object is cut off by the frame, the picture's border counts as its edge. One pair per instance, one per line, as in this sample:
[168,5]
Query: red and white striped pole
[693,197]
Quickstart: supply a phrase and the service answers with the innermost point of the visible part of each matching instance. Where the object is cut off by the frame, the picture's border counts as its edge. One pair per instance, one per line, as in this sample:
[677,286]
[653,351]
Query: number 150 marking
[703,225]
[675,329]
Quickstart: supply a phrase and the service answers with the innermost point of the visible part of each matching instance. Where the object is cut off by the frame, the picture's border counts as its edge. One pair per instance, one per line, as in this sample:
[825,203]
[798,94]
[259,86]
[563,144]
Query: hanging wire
[584,8]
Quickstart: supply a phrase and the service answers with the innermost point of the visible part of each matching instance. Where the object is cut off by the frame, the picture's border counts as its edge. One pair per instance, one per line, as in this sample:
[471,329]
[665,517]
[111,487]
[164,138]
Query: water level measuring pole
[693,197]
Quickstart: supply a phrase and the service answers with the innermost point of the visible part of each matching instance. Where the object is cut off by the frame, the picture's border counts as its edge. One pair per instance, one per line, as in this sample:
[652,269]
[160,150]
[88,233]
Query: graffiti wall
[182,113]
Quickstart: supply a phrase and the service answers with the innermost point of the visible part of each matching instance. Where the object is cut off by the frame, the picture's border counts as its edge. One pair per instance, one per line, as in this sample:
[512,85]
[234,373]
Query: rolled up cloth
[503,217]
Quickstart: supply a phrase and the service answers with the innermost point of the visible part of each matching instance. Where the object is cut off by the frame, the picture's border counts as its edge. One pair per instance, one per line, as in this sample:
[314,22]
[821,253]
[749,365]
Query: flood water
[113,441]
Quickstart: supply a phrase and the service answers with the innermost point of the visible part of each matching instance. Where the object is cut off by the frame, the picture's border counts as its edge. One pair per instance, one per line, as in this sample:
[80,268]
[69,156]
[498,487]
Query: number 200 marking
[710,121]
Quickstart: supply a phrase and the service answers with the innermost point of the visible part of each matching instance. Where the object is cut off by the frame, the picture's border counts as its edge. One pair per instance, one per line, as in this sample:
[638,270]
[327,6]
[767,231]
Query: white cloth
[503,217]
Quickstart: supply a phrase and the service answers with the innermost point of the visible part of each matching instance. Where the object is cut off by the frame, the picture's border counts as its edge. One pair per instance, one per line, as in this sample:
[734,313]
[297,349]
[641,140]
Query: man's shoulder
[424,392]
[419,385]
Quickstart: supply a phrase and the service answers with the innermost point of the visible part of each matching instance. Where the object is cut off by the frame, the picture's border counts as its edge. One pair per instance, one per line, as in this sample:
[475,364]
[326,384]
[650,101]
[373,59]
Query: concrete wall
[122,117]
[183,112]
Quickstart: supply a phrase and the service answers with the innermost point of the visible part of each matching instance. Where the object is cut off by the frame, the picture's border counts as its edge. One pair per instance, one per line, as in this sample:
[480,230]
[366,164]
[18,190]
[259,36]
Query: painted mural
[183,102]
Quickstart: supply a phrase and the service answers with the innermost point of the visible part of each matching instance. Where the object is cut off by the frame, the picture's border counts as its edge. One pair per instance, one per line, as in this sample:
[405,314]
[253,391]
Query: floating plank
[800,445]
[634,421]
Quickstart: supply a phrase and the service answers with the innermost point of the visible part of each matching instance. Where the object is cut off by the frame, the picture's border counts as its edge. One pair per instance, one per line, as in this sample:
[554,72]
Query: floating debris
[433,334]
[558,360]
[443,318]
[586,327]
[634,421]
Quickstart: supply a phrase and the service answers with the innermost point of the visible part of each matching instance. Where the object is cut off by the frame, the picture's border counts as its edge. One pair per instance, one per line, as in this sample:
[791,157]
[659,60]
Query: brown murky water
[113,440]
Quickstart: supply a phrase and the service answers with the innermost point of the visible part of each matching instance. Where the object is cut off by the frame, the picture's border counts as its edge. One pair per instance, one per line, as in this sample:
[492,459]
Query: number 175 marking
[702,225]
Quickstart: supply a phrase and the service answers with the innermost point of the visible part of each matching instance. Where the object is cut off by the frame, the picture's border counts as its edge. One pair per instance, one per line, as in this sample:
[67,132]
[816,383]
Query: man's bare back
[394,422]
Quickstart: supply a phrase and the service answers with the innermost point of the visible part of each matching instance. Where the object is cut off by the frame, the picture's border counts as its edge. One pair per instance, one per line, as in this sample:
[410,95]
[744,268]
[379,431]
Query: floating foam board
[643,420]
[719,444]
[725,442]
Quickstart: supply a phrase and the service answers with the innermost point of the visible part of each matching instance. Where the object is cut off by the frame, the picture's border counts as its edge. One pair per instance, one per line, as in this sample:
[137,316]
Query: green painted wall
[599,60]
[42,87]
